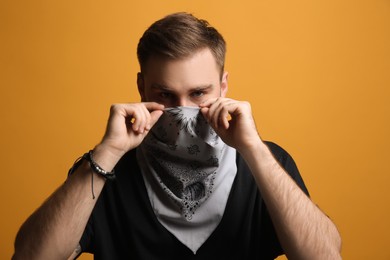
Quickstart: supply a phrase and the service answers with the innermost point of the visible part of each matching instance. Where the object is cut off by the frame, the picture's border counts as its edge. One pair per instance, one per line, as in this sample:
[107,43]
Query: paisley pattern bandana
[188,172]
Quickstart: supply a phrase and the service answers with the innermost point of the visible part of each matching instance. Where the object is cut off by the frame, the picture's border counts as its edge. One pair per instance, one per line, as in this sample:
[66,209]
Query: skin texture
[305,232]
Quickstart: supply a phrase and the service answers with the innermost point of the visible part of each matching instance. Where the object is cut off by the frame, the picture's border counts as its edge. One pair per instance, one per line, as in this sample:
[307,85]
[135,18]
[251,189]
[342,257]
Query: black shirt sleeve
[287,162]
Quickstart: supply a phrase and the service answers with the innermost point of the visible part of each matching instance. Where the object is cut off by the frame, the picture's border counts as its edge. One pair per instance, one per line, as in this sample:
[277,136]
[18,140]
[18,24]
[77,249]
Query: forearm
[304,231]
[53,231]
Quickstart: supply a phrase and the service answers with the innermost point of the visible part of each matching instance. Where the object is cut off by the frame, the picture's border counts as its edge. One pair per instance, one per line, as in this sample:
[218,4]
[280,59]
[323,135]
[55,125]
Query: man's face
[185,82]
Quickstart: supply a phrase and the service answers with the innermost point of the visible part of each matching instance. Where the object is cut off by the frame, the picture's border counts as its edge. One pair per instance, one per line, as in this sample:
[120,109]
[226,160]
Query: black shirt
[124,226]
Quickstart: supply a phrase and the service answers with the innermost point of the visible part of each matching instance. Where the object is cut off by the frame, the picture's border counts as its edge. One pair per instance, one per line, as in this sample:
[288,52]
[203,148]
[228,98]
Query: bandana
[188,172]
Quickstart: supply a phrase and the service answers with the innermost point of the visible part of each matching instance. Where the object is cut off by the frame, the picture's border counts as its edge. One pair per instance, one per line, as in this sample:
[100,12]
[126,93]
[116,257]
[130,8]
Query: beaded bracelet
[96,168]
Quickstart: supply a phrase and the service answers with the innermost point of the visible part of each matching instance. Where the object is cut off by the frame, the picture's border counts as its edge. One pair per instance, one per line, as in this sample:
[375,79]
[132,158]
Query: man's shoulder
[288,163]
[278,151]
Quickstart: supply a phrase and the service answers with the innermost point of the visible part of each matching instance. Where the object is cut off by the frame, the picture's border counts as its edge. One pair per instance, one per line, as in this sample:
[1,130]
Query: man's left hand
[232,120]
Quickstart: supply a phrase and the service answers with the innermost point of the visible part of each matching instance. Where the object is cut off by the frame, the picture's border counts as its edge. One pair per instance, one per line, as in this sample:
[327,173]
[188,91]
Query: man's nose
[184,102]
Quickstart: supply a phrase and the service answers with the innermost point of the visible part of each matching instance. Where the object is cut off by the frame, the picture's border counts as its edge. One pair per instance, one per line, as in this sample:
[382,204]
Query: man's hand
[128,125]
[240,131]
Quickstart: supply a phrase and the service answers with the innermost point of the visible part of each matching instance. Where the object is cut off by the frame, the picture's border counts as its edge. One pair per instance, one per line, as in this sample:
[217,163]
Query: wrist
[96,167]
[105,157]
[255,148]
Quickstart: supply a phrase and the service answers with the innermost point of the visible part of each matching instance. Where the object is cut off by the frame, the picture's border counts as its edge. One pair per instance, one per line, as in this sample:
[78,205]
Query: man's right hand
[128,125]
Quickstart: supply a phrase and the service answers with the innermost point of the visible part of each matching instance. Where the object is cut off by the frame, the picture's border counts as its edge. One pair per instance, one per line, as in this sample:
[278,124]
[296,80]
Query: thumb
[155,115]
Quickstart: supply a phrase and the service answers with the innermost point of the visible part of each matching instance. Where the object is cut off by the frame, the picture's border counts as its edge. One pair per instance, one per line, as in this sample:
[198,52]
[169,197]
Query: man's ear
[224,84]
[141,86]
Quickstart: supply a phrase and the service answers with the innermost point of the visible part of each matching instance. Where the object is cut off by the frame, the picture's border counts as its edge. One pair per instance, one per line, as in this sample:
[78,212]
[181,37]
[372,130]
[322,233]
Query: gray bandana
[185,154]
[188,172]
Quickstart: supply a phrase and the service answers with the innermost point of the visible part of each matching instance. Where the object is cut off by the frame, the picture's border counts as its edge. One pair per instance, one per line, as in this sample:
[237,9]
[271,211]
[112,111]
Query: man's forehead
[202,55]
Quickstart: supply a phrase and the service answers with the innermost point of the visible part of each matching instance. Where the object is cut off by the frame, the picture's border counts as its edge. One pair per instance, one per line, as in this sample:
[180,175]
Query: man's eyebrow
[167,88]
[160,86]
[204,87]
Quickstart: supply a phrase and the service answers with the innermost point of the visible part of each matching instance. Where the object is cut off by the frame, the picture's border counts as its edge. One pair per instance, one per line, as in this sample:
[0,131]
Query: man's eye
[165,95]
[197,94]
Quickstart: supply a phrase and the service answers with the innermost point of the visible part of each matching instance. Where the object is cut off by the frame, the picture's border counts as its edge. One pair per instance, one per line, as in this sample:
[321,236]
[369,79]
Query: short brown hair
[178,36]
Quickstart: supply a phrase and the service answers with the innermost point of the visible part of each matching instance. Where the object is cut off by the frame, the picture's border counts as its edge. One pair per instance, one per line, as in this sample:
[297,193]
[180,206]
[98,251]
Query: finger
[154,116]
[155,110]
[204,111]
[223,117]
[208,102]
[136,118]
[151,106]
[132,115]
[212,114]
[219,112]
[144,119]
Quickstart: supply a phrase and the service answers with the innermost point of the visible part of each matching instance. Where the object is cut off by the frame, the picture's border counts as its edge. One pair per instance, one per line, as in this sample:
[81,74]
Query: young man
[193,179]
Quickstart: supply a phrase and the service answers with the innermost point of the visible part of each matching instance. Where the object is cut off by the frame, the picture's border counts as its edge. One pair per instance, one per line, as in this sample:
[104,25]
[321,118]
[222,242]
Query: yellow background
[316,72]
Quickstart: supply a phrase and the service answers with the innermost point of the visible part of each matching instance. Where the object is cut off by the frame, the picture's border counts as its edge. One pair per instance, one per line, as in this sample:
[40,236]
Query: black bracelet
[96,168]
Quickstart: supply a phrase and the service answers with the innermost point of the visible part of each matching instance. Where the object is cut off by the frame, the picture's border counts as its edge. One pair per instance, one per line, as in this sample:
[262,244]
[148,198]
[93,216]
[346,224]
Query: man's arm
[54,230]
[304,231]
